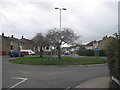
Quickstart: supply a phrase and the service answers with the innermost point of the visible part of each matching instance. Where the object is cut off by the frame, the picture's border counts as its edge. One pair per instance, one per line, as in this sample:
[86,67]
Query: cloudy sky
[92,19]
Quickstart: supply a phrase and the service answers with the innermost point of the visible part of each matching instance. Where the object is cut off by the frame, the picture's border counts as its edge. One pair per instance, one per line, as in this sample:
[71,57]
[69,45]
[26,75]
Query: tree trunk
[41,52]
[59,51]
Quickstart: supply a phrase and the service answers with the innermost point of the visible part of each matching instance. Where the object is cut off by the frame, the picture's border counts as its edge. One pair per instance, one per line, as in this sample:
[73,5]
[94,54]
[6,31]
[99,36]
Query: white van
[27,52]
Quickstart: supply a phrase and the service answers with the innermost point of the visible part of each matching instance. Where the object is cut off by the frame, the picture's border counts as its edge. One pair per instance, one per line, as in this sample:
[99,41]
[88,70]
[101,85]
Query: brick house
[9,43]
[27,44]
[73,48]
[104,42]
[4,43]
[91,45]
[101,44]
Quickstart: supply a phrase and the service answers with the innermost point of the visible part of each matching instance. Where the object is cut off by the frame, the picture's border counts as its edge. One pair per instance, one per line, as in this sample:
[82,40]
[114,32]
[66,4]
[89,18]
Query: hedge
[113,55]
[83,52]
[102,52]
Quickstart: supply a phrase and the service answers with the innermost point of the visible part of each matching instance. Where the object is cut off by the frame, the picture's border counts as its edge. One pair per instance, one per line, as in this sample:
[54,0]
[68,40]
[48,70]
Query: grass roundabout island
[66,60]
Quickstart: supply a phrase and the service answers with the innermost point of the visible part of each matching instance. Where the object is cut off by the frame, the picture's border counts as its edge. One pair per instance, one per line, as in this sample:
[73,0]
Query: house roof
[15,39]
[106,38]
[25,40]
[4,36]
[76,46]
[10,38]
[91,43]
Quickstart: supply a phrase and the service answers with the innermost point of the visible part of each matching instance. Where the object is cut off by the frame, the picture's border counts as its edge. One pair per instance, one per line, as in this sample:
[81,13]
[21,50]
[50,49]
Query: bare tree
[57,37]
[41,41]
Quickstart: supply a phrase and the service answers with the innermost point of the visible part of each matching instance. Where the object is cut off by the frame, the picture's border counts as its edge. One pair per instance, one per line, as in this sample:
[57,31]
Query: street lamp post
[59,46]
[60,14]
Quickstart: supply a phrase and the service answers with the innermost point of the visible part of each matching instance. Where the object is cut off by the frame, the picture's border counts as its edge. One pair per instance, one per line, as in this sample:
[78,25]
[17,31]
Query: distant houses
[101,44]
[26,44]
[91,45]
[12,43]
[73,48]
[9,43]
[104,42]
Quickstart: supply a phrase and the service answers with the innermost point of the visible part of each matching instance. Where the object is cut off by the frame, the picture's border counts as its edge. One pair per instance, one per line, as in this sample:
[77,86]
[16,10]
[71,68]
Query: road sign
[96,49]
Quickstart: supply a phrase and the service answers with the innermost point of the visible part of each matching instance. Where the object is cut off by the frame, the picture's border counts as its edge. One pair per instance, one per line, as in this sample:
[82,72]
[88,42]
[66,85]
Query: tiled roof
[24,39]
[90,43]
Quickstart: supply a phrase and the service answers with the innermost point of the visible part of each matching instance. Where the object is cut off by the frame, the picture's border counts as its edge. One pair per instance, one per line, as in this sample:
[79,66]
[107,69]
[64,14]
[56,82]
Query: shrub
[89,53]
[113,55]
[83,52]
[102,52]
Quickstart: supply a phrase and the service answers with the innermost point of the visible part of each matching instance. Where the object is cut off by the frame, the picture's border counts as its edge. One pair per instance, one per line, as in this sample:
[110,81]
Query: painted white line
[115,80]
[67,88]
[23,80]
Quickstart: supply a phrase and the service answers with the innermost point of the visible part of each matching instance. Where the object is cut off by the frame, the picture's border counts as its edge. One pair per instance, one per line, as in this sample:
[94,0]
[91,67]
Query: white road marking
[23,80]
[116,80]
[67,88]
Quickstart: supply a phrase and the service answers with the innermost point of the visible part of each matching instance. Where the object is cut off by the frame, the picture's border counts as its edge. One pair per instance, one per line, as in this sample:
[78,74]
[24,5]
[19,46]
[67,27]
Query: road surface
[31,76]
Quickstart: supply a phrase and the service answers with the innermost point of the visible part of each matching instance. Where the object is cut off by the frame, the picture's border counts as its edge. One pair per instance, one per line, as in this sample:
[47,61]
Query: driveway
[28,76]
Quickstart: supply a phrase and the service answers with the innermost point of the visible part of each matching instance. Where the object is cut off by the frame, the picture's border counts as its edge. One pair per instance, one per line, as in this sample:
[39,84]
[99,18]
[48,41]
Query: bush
[113,55]
[83,52]
[102,52]
[89,53]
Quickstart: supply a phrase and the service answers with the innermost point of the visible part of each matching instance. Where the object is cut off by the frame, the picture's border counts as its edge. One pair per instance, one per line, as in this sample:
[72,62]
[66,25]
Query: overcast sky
[92,19]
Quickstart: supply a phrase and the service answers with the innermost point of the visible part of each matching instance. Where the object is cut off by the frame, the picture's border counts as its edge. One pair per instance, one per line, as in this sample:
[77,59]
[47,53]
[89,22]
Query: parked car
[66,53]
[15,54]
[27,52]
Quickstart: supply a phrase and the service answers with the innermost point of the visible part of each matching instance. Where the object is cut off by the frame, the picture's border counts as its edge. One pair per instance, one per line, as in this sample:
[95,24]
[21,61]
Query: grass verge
[66,60]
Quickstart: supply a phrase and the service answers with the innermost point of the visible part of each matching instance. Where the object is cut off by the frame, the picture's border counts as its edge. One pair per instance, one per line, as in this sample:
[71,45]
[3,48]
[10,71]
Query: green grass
[53,61]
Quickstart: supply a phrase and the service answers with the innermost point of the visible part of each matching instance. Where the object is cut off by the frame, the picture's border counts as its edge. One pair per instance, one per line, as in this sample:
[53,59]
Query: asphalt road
[48,76]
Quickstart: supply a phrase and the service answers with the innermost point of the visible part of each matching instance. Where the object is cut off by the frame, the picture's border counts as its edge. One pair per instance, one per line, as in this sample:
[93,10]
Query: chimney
[12,36]
[106,36]
[22,37]
[2,34]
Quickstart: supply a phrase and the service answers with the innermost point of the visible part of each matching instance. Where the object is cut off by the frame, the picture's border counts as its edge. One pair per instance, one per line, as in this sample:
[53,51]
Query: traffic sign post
[96,52]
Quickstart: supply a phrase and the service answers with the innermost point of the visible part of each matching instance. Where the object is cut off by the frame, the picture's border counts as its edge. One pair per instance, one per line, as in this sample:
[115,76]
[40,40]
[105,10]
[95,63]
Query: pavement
[100,82]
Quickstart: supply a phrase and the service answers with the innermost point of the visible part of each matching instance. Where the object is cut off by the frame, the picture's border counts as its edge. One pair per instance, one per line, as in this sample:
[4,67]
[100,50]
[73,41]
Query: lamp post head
[64,9]
[61,8]
[56,8]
